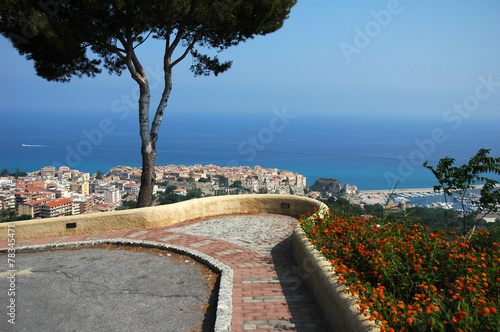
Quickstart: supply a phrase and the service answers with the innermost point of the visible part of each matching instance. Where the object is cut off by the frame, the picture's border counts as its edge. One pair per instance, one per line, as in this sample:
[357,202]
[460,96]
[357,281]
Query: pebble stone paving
[268,291]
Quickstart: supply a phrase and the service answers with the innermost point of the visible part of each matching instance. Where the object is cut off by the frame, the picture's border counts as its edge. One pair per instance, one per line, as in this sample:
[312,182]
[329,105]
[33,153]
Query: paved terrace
[246,239]
[261,287]
[268,292]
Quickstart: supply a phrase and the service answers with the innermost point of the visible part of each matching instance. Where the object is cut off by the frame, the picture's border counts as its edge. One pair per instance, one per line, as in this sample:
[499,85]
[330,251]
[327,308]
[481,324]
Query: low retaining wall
[340,309]
[159,216]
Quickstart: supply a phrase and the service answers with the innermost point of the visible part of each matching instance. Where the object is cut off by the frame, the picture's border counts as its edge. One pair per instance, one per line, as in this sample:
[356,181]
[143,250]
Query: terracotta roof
[59,202]
[34,188]
[39,201]
[105,205]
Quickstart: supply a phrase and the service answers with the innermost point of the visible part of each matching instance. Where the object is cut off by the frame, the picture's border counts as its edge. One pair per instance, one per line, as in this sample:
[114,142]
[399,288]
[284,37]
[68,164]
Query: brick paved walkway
[269,293]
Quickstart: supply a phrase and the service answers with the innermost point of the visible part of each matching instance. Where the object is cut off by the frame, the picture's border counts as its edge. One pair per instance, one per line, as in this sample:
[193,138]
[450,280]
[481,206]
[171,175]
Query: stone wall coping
[160,216]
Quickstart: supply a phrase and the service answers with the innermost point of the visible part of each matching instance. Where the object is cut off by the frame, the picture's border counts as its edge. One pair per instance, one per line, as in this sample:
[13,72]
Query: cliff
[334,187]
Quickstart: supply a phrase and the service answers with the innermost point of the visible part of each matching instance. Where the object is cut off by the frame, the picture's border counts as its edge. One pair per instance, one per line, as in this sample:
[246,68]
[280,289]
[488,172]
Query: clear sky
[422,59]
[335,58]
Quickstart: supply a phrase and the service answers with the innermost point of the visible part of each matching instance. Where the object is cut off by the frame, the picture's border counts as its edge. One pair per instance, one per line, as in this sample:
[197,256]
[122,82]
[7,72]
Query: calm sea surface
[369,152]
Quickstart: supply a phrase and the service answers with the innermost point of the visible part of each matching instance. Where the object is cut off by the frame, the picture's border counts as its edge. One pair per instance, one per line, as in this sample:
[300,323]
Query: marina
[424,197]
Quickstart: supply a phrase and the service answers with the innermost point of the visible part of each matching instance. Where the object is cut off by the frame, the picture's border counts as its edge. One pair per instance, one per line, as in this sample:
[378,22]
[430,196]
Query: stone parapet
[159,216]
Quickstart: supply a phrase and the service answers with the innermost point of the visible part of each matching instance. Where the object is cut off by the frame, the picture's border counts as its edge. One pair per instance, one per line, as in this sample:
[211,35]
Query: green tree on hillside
[83,37]
[4,172]
[460,180]
[236,184]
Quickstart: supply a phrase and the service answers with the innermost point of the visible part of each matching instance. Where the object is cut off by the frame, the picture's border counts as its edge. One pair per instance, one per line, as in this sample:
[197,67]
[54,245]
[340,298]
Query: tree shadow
[304,310]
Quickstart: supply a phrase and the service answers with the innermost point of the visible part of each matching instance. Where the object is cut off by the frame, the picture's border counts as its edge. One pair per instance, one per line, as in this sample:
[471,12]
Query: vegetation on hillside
[10,215]
[16,174]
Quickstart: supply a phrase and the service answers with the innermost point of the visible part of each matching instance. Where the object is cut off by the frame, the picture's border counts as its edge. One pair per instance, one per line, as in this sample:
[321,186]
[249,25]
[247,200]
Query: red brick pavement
[268,295]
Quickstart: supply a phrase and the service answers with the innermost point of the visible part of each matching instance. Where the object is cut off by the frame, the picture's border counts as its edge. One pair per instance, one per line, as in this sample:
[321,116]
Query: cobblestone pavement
[268,291]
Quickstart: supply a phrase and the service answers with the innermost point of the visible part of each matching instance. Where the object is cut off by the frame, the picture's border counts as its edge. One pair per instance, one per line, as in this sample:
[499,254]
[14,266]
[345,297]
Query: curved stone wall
[159,216]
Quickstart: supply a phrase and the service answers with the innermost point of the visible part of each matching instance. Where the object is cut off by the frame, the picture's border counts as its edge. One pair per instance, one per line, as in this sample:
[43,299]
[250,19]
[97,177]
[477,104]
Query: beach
[372,197]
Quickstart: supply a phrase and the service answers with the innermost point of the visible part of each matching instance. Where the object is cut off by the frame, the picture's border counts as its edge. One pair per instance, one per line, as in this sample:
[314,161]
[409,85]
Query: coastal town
[51,192]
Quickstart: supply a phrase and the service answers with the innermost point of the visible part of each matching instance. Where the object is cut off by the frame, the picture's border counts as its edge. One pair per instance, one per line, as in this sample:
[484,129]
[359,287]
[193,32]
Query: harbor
[423,197]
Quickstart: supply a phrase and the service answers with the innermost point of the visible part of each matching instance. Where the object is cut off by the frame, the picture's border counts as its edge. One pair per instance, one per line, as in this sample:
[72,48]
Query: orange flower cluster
[410,279]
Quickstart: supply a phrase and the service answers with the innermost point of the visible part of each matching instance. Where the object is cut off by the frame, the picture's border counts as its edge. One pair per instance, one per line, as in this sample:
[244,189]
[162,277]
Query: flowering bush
[410,279]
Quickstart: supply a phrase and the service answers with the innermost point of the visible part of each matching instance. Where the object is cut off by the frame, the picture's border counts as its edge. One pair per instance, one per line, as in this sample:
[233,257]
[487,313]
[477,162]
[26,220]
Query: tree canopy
[57,35]
[84,37]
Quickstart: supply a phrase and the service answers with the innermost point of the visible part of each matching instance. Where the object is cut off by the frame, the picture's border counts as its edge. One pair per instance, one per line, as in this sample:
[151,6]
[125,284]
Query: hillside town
[52,192]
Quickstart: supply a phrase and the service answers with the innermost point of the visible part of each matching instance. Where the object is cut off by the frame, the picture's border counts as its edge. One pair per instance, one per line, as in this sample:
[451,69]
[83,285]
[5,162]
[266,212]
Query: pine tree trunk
[148,176]
[149,136]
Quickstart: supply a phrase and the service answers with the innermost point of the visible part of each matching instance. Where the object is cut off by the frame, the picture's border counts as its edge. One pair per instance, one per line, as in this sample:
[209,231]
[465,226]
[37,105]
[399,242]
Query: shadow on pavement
[305,312]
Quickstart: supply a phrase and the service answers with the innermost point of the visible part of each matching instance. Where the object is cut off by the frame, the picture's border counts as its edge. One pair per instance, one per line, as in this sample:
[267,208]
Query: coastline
[373,197]
[408,190]
[381,197]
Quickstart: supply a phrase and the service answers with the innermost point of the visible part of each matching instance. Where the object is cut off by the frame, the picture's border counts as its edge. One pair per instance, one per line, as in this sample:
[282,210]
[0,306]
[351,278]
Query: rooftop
[58,202]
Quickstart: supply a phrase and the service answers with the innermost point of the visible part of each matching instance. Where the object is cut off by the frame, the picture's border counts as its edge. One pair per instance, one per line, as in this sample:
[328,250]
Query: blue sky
[426,58]
[405,60]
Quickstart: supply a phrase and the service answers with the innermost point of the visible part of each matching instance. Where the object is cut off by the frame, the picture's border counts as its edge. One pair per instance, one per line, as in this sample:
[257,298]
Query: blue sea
[371,152]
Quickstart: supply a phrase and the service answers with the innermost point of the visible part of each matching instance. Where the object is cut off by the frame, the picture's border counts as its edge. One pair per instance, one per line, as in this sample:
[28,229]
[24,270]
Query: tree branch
[118,51]
[136,70]
[149,34]
[167,68]
[177,39]
[186,52]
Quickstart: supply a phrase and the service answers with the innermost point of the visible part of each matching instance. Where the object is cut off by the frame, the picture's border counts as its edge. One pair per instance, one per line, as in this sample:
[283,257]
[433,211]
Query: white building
[131,188]
[7,200]
[7,182]
[62,192]
[180,191]
[81,204]
[112,195]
